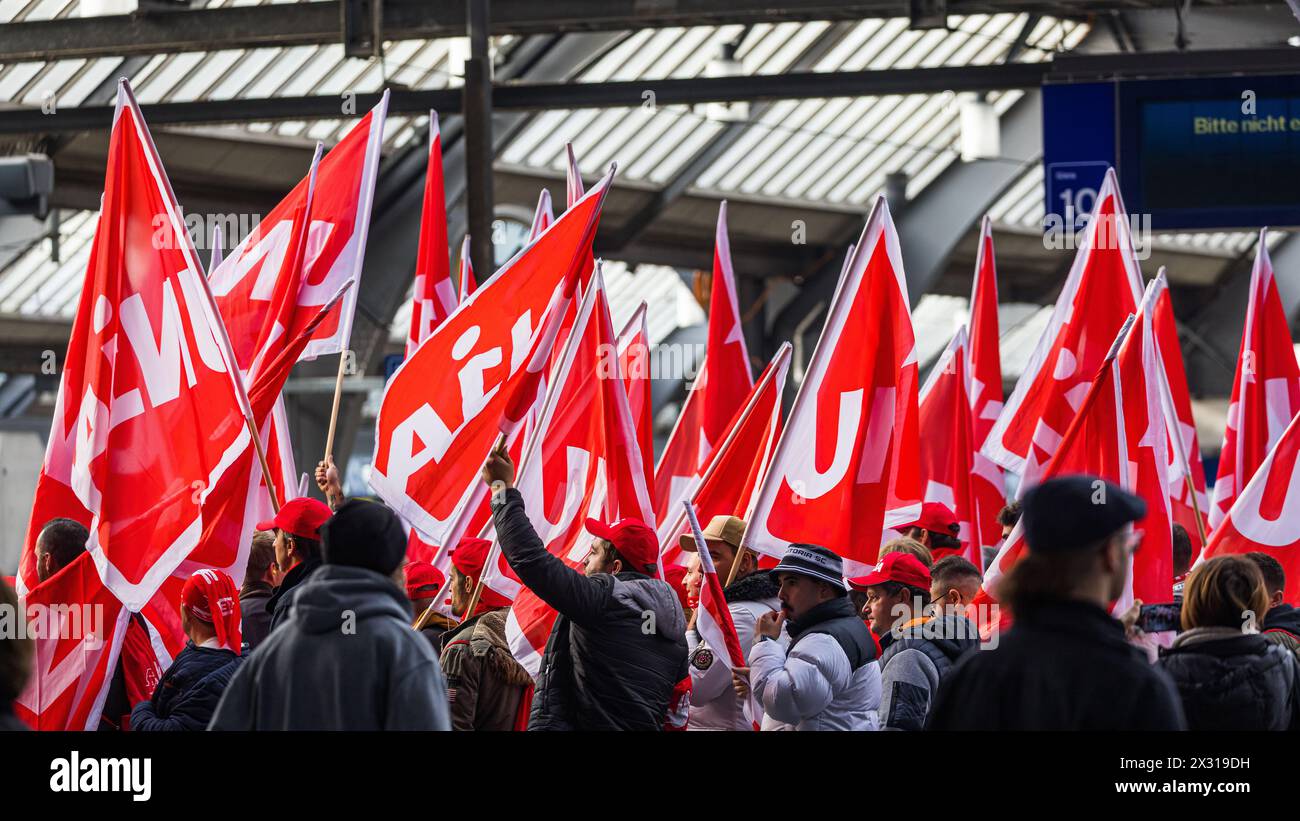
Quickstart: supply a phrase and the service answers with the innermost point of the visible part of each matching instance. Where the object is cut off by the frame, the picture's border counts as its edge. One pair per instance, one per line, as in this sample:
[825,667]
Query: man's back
[344,658]
[1063,666]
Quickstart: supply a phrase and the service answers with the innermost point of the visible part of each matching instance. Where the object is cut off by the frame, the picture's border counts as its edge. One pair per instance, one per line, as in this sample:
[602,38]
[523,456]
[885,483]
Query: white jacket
[714,703]
[812,688]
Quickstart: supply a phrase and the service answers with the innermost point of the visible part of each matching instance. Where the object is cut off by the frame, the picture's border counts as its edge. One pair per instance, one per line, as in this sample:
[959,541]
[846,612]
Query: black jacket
[187,695]
[1231,680]
[344,658]
[254,618]
[278,605]
[1063,665]
[606,665]
[1282,617]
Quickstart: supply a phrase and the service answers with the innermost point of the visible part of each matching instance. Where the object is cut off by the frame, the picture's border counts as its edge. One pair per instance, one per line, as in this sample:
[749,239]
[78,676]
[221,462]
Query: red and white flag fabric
[572,179]
[1265,391]
[634,365]
[988,484]
[251,276]
[1187,493]
[542,217]
[721,384]
[144,367]
[1103,288]
[845,468]
[582,461]
[434,298]
[1265,516]
[713,615]
[477,374]
[1120,435]
[465,273]
[730,482]
[947,435]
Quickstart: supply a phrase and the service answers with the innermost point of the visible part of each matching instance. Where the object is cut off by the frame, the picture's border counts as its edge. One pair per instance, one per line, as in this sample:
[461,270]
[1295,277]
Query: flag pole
[334,411]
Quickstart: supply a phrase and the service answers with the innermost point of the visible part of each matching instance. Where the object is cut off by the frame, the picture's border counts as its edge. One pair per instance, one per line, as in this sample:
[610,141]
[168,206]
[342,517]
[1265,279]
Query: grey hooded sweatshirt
[617,648]
[345,658]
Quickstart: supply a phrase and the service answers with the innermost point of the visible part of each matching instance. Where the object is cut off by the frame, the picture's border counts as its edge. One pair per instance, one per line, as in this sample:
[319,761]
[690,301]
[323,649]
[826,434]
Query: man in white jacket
[714,702]
[827,677]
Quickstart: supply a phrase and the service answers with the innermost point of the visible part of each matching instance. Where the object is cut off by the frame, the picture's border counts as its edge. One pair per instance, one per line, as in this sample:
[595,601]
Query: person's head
[909,546]
[808,575]
[694,578]
[423,581]
[1008,516]
[723,539]
[937,528]
[210,609]
[1224,592]
[954,581]
[626,546]
[364,533]
[467,561]
[15,653]
[261,560]
[1079,543]
[1274,578]
[1182,550]
[59,542]
[297,531]
[897,592]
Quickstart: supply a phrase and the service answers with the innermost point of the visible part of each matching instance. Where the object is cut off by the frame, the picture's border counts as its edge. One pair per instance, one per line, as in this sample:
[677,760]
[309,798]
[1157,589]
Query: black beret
[1069,513]
[364,533]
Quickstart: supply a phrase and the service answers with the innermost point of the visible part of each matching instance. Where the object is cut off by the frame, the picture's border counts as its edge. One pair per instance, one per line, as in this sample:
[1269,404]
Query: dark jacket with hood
[1064,665]
[277,605]
[618,647]
[1231,680]
[485,684]
[189,691]
[1282,626]
[914,661]
[344,658]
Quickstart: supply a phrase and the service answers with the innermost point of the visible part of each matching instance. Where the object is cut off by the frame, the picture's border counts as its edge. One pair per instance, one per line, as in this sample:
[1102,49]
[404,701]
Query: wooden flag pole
[334,411]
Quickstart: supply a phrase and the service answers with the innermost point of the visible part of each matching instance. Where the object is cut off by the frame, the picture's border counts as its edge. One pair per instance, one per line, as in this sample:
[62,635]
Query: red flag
[582,461]
[572,179]
[1187,473]
[254,270]
[634,365]
[434,299]
[845,467]
[729,485]
[1120,435]
[718,391]
[1266,514]
[1102,289]
[442,410]
[988,484]
[947,452]
[143,368]
[1265,391]
[542,217]
[465,274]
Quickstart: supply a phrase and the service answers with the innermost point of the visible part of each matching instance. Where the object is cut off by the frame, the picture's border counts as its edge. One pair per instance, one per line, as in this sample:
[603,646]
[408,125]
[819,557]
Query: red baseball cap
[632,538]
[300,517]
[469,556]
[937,518]
[422,575]
[900,567]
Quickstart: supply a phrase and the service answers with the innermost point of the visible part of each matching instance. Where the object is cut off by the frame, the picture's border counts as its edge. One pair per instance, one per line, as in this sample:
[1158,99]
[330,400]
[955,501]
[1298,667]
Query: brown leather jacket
[485,684]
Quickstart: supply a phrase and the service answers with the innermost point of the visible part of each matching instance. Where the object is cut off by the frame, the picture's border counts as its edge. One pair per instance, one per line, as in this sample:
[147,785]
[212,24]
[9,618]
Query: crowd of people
[333,628]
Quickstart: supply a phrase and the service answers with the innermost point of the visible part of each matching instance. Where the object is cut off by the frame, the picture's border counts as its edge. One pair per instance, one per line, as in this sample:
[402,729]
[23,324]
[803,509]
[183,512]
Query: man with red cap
[297,548]
[187,696]
[618,647]
[917,650]
[485,685]
[424,585]
[937,529]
